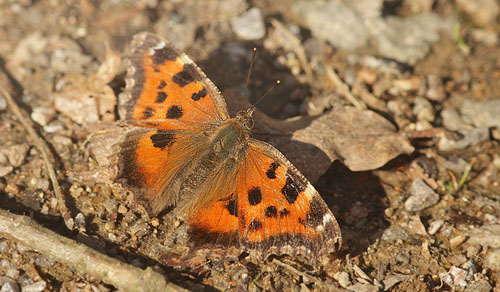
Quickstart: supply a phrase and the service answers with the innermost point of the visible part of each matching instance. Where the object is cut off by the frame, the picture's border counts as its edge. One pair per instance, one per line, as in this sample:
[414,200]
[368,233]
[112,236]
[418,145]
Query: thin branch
[83,259]
[46,154]
[343,88]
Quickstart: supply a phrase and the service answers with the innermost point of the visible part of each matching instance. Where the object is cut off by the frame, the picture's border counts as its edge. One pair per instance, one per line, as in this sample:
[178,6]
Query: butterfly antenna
[267,92]
[248,76]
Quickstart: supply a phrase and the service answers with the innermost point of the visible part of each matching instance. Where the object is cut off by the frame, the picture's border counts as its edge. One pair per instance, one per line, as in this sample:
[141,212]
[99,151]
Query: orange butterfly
[185,150]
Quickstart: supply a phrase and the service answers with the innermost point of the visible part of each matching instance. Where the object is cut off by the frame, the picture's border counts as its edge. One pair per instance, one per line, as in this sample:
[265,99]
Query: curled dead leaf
[360,139]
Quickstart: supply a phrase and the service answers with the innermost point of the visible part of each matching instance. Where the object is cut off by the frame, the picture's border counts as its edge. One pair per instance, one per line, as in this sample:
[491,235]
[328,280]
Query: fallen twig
[85,260]
[42,147]
[297,272]
[343,88]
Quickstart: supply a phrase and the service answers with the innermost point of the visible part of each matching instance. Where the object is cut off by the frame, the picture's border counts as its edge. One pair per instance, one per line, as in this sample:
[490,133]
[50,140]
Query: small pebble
[250,25]
[486,236]
[435,226]
[492,259]
[122,209]
[43,115]
[10,287]
[343,279]
[423,110]
[457,240]
[58,139]
[17,154]
[3,103]
[12,188]
[53,127]
[479,286]
[80,220]
[155,222]
[35,287]
[422,196]
[458,276]
[472,250]
[5,170]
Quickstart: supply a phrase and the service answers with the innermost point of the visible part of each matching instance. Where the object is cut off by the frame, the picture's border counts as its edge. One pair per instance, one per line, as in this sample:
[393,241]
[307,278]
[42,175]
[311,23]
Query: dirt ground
[425,217]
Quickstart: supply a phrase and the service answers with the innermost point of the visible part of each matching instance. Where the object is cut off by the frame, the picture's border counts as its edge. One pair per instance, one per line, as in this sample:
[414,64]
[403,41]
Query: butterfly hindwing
[152,162]
[270,209]
[281,211]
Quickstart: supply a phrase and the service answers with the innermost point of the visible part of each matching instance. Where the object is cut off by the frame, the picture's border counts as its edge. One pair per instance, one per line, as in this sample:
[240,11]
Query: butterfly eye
[249,124]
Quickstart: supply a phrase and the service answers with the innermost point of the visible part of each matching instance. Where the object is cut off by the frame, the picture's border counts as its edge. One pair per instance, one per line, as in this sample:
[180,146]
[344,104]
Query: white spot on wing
[160,46]
[185,59]
[327,218]
[310,191]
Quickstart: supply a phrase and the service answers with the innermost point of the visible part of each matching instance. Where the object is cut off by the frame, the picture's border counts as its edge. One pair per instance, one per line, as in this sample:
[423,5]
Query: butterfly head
[246,118]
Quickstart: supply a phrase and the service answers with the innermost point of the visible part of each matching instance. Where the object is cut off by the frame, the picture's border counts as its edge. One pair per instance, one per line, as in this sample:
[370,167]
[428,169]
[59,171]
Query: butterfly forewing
[166,90]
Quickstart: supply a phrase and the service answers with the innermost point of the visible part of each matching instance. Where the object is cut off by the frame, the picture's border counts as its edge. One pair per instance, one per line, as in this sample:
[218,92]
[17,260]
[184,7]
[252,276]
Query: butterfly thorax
[227,141]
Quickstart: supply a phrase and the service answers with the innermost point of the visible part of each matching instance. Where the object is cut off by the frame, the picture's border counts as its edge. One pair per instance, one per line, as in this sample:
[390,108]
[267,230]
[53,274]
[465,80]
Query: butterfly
[184,150]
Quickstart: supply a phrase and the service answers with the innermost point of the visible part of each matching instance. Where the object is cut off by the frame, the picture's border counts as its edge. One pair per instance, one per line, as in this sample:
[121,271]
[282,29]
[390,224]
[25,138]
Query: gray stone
[481,113]
[407,40]
[249,25]
[422,196]
[10,287]
[468,137]
[394,233]
[334,22]
[35,287]
[486,236]
[479,286]
[452,120]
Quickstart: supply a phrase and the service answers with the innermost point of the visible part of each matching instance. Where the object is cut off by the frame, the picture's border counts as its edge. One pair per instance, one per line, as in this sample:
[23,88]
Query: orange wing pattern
[172,105]
[166,90]
[271,208]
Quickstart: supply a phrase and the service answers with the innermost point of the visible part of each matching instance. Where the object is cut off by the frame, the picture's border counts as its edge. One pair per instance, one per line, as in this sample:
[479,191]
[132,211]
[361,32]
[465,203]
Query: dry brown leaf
[360,139]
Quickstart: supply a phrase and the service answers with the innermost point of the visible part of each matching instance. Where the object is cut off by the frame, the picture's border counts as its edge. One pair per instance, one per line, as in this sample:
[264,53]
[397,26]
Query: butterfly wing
[166,90]
[173,105]
[269,209]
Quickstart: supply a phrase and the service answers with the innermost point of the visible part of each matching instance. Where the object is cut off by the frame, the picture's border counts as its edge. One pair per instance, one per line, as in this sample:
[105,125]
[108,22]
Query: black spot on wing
[232,207]
[284,212]
[315,215]
[199,95]
[255,225]
[294,185]
[164,54]
[162,139]
[162,85]
[187,75]
[160,97]
[174,112]
[271,172]
[148,112]
[254,196]
[271,212]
